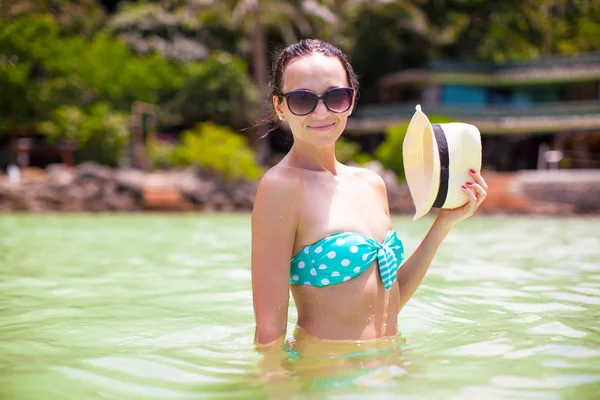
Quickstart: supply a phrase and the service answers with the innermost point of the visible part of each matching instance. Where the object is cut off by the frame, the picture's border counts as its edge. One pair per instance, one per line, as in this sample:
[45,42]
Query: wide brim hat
[437,160]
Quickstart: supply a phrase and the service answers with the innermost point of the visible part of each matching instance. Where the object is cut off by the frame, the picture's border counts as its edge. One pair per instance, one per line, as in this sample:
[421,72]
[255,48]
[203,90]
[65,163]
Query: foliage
[100,133]
[347,151]
[160,152]
[79,17]
[43,68]
[514,30]
[389,152]
[381,39]
[219,149]
[218,89]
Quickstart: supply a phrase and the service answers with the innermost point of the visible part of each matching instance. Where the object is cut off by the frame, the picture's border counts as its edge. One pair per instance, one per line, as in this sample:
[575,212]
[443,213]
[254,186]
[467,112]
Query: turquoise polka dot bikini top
[345,255]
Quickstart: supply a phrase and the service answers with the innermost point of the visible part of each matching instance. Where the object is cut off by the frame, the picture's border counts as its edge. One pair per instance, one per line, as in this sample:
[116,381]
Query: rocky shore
[90,187]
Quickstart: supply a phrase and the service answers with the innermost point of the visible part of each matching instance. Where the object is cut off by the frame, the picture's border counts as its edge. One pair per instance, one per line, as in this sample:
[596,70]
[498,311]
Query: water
[159,307]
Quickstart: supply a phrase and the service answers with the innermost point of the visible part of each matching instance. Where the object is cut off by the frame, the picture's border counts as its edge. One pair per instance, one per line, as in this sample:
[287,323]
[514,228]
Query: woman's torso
[360,308]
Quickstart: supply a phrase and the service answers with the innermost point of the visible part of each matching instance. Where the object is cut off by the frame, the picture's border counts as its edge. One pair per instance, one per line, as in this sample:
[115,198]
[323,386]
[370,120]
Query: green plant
[347,151]
[219,149]
[159,152]
[218,89]
[100,133]
[389,152]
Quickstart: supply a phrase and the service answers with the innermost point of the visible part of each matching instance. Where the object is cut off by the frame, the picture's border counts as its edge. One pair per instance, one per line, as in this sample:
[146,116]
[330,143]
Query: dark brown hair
[303,48]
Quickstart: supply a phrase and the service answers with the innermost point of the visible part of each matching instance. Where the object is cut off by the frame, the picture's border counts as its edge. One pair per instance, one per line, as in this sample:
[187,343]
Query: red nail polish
[469,183]
[463,186]
[472,171]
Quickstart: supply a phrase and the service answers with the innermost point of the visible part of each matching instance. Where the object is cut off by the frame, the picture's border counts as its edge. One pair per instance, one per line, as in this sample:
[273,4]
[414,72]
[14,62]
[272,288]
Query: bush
[218,149]
[347,151]
[100,133]
[389,152]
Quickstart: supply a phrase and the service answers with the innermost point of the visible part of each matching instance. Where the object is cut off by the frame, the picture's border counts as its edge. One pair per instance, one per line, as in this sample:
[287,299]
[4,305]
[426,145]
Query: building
[529,113]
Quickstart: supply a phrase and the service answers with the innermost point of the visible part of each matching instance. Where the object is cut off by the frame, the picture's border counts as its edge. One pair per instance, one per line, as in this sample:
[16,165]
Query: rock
[219,201]
[165,199]
[96,205]
[121,203]
[90,189]
[93,170]
[244,194]
[129,180]
[40,206]
[578,188]
[33,174]
[13,196]
[48,194]
[60,174]
[194,187]
[72,205]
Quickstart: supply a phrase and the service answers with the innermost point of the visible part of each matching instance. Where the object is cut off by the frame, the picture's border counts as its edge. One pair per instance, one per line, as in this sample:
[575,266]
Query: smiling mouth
[322,127]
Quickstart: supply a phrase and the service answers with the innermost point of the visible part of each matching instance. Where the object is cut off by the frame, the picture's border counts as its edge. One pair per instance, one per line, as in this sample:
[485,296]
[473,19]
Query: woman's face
[316,73]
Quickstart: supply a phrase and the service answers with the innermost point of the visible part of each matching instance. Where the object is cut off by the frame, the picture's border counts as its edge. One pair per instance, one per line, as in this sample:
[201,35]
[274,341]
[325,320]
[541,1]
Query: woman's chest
[342,206]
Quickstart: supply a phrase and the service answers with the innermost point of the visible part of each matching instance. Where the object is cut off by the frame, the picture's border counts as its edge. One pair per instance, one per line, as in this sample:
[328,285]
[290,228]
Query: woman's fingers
[479,179]
[471,206]
[479,190]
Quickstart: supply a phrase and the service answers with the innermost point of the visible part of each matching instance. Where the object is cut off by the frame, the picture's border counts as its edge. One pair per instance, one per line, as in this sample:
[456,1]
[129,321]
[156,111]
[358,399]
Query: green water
[159,307]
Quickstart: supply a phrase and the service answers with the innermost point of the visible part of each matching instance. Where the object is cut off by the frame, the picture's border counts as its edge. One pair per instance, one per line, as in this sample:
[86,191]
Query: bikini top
[345,255]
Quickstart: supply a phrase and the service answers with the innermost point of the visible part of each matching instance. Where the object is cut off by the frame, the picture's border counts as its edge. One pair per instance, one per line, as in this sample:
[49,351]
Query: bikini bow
[388,260]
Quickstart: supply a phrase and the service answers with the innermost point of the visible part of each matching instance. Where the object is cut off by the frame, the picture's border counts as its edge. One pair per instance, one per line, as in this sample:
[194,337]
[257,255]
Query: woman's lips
[322,128]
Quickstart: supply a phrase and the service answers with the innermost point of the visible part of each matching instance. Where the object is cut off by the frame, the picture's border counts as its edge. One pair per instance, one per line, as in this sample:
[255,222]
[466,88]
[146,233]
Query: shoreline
[93,188]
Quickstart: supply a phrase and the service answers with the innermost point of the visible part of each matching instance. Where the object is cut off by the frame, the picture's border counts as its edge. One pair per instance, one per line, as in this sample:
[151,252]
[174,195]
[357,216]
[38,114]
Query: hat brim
[421,163]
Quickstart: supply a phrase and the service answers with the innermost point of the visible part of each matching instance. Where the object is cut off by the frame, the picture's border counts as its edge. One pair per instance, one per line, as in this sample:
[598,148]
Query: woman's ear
[354,97]
[278,106]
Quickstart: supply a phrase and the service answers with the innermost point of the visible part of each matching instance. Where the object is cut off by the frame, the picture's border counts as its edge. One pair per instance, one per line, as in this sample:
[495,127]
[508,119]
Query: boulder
[60,174]
[94,171]
[129,179]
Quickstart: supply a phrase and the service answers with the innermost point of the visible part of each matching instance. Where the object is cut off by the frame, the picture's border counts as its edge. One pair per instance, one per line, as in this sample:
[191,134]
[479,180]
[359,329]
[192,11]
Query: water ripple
[160,306]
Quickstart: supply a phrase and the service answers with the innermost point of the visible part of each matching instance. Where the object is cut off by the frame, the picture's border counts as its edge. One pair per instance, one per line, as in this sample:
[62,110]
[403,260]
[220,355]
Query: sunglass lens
[338,100]
[302,103]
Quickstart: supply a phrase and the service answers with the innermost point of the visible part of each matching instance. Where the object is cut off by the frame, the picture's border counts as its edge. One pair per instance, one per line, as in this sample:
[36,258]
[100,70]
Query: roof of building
[544,70]
[545,118]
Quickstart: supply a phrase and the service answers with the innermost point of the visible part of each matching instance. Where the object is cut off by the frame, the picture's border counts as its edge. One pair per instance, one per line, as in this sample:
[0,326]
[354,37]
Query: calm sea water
[159,307]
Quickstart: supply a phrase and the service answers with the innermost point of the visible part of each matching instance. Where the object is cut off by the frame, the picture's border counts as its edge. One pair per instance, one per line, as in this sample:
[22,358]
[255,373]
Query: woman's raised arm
[274,223]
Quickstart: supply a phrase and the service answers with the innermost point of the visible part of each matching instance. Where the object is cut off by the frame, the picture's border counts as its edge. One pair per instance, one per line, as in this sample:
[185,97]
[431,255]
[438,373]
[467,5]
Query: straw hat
[437,159]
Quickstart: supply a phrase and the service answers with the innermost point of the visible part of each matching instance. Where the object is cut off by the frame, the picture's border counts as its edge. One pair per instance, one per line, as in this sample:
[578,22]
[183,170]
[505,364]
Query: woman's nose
[321,109]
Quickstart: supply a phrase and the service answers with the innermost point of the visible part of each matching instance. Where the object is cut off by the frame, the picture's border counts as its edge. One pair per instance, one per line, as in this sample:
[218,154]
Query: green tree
[80,17]
[218,89]
[43,67]
[100,134]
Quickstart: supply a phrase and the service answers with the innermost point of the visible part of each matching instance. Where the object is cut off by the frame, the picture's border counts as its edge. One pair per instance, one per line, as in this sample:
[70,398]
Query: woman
[322,228]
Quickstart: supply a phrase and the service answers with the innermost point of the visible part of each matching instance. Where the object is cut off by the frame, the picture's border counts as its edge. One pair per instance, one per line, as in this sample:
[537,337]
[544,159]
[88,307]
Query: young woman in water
[323,229]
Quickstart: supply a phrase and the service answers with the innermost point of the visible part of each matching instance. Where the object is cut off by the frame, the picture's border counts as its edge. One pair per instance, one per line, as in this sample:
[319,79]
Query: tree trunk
[259,67]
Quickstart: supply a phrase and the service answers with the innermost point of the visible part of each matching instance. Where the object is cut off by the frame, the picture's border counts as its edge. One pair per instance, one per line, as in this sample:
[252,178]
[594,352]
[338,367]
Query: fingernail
[472,171]
[463,186]
[469,183]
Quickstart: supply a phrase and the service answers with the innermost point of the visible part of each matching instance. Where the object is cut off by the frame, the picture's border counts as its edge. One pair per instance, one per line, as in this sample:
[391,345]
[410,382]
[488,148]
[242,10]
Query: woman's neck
[314,158]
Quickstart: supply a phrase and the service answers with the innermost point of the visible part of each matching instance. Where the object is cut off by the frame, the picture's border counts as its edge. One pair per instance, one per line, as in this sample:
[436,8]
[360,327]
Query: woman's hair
[303,48]
[307,47]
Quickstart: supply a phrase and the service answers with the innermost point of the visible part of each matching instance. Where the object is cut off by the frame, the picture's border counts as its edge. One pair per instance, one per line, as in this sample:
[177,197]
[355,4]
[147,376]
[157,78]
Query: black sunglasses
[303,102]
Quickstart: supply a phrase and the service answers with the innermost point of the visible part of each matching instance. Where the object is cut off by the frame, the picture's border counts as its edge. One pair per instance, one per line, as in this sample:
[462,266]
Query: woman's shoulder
[371,178]
[281,180]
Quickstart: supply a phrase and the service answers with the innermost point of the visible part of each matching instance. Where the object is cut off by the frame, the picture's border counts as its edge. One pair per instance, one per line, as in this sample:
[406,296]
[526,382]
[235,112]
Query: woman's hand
[476,190]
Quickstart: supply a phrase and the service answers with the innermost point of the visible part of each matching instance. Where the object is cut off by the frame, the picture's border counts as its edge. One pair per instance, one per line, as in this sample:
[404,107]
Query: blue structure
[554,102]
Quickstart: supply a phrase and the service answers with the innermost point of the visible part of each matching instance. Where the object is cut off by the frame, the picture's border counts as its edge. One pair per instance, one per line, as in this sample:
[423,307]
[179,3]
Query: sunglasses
[303,102]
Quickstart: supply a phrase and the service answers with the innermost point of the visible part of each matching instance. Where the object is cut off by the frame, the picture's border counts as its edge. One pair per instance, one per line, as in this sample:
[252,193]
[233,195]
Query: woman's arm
[274,222]
[414,269]
[411,274]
